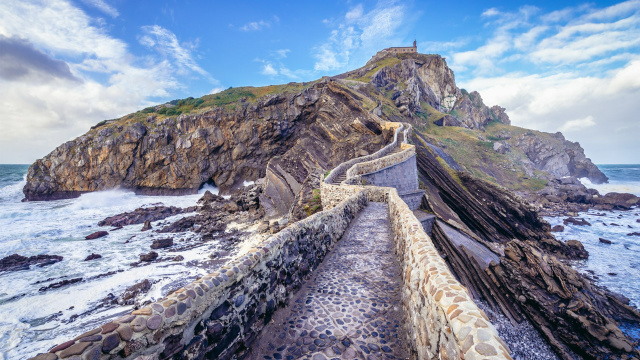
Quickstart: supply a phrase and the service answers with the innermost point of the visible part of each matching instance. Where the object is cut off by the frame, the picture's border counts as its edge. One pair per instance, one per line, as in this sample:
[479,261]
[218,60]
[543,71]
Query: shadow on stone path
[351,308]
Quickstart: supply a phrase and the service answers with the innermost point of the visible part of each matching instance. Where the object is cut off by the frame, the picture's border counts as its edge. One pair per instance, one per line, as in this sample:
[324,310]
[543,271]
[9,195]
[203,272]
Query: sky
[65,65]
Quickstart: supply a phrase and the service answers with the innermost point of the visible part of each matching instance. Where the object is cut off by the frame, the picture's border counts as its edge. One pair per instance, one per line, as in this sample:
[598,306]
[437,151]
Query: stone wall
[219,315]
[333,174]
[443,322]
[368,167]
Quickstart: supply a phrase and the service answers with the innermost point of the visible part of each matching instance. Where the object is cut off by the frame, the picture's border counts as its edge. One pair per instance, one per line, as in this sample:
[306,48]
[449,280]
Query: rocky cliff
[225,145]
[286,132]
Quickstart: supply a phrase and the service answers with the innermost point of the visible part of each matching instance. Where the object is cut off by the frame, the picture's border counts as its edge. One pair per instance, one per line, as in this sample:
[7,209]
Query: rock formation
[285,139]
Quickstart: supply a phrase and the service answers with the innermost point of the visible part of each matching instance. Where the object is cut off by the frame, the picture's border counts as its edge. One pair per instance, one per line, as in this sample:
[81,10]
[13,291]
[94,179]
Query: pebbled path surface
[351,308]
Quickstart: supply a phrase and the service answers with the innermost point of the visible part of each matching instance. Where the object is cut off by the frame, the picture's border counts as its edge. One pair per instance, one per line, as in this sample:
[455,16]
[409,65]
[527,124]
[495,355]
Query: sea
[34,320]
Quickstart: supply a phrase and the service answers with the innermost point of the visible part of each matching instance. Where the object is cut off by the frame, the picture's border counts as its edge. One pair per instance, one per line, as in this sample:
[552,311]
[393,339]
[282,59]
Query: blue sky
[67,64]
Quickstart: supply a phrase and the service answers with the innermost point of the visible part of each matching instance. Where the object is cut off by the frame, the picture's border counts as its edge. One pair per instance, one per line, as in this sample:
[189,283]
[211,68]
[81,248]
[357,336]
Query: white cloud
[268,69]
[577,124]
[282,53]
[491,12]
[575,70]
[102,6]
[166,43]
[50,112]
[352,42]
[355,13]
[255,26]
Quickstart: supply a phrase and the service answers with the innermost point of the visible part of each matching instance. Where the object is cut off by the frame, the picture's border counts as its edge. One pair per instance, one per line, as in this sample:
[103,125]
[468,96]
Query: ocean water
[617,265]
[33,321]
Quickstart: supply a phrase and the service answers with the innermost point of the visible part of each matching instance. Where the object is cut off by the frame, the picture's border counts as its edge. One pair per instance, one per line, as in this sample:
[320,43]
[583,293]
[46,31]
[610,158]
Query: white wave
[632,187]
[207,187]
[248,183]
[12,192]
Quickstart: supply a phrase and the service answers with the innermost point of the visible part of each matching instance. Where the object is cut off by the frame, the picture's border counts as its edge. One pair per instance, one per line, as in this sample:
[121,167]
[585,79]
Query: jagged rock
[500,115]
[501,147]
[620,201]
[307,201]
[151,256]
[96,235]
[60,284]
[176,155]
[448,120]
[93,257]
[162,243]
[129,296]
[569,309]
[574,221]
[576,250]
[575,315]
[17,262]
[146,226]
[142,215]
[554,154]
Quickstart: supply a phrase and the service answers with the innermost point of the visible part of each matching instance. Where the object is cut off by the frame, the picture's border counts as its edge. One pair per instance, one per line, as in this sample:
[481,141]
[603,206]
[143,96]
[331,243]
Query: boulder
[96,235]
[576,249]
[557,228]
[141,215]
[17,262]
[448,120]
[619,201]
[576,221]
[162,243]
[146,226]
[151,256]
[131,293]
[605,241]
[634,234]
[93,257]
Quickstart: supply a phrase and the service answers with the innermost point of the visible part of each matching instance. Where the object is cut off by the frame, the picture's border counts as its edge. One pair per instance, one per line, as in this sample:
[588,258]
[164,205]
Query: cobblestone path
[351,308]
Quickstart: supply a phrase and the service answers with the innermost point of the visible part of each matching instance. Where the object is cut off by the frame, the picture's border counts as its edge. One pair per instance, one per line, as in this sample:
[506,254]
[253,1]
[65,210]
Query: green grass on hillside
[477,156]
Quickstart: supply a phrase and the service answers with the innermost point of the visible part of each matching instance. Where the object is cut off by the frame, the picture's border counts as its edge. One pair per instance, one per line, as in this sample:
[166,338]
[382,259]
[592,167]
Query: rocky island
[302,154]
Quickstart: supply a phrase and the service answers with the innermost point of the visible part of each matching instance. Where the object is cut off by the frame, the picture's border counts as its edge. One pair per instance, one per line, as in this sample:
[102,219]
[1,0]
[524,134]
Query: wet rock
[161,243]
[17,262]
[96,235]
[178,258]
[605,241]
[151,256]
[146,226]
[620,201]
[634,234]
[576,221]
[144,214]
[60,284]
[576,250]
[129,296]
[557,228]
[93,257]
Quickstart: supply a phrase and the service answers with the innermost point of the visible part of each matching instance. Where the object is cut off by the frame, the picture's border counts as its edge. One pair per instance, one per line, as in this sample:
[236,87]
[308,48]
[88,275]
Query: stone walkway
[351,308]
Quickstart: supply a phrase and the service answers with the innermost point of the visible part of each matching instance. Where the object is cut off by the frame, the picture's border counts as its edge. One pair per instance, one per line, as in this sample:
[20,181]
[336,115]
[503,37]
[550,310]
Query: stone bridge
[361,279]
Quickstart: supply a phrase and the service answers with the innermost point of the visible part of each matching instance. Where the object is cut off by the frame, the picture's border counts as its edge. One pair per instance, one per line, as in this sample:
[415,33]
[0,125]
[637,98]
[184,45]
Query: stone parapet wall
[219,315]
[333,174]
[371,166]
[443,322]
